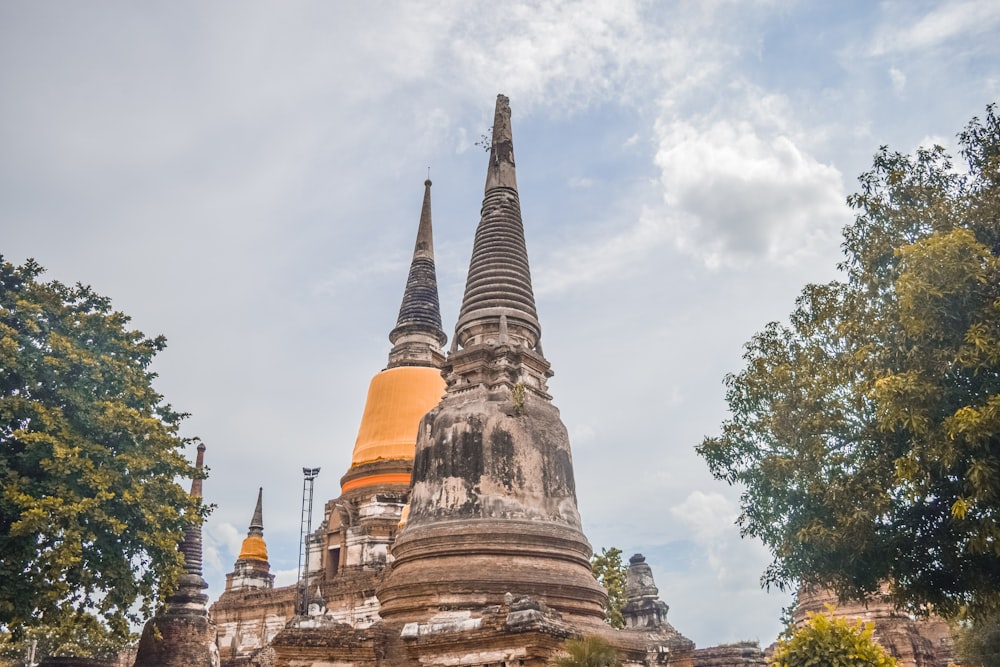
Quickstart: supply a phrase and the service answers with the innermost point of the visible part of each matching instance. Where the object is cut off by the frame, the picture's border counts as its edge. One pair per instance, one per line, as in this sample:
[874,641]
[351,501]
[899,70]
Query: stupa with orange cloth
[360,525]
[411,383]
[252,569]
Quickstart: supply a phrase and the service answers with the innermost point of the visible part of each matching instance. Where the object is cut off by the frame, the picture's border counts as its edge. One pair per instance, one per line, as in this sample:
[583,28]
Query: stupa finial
[257,522]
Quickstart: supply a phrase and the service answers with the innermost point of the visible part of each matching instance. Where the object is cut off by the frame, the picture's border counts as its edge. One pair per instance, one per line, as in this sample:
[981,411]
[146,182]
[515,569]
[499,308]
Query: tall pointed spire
[493,499]
[418,336]
[499,282]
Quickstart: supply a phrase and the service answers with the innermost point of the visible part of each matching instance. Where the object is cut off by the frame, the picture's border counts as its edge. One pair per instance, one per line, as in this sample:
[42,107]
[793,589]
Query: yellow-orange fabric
[253,548]
[372,480]
[397,399]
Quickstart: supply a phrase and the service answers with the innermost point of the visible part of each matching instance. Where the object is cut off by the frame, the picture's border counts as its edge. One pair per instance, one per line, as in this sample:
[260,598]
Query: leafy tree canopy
[610,572]
[866,432]
[831,642]
[90,509]
[978,642]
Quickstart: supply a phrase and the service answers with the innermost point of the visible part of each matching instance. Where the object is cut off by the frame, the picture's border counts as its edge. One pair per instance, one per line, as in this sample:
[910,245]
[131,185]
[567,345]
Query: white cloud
[898,79]
[610,254]
[711,516]
[947,21]
[556,53]
[222,543]
[285,577]
[734,195]
[737,563]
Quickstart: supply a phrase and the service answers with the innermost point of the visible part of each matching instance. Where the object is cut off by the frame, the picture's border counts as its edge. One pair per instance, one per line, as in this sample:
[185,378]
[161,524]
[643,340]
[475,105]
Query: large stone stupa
[493,511]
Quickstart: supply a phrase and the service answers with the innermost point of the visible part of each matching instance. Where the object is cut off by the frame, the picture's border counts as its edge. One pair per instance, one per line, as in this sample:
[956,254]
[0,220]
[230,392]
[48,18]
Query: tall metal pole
[305,527]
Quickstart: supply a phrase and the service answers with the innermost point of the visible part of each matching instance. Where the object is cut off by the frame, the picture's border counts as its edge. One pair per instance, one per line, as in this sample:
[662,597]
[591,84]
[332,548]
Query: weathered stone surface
[180,641]
[248,619]
[741,654]
[334,644]
[492,511]
[646,614]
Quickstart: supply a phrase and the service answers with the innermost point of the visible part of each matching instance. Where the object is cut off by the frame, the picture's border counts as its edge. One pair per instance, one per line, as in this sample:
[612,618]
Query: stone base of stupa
[178,641]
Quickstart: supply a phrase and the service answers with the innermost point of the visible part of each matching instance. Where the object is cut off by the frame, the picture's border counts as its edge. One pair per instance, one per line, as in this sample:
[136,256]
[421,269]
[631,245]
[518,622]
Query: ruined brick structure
[915,642]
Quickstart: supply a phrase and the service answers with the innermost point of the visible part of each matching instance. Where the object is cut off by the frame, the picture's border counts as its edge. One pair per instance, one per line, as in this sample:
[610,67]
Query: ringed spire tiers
[499,302]
[418,337]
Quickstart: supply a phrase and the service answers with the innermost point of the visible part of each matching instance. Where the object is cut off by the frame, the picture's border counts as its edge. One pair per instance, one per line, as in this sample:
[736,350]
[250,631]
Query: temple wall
[248,620]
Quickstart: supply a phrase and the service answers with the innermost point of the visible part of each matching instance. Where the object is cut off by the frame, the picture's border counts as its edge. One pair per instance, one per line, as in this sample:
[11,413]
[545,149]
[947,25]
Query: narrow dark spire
[257,522]
[199,463]
[418,336]
[191,544]
[499,282]
[188,599]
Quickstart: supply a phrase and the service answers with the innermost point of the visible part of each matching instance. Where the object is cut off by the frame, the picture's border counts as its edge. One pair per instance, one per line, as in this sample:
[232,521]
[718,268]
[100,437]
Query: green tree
[90,509]
[80,634]
[609,571]
[978,642]
[831,642]
[866,432]
[589,651]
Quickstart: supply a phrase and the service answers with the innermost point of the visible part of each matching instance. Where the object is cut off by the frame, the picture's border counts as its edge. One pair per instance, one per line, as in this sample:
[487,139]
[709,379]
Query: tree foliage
[78,634]
[978,642]
[90,510]
[610,572]
[866,432]
[831,642]
[590,651]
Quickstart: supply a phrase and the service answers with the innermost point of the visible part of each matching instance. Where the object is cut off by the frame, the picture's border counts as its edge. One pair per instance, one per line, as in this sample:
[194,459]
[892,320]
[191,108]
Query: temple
[456,539]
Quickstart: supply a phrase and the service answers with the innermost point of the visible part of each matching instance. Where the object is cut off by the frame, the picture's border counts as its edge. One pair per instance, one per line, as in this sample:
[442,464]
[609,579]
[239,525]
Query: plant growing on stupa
[610,572]
[588,651]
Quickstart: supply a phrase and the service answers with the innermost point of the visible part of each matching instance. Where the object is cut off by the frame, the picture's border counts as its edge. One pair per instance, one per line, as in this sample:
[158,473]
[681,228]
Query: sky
[245,178]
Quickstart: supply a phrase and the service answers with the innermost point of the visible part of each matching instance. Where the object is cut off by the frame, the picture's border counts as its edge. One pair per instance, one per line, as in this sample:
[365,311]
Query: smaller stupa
[252,570]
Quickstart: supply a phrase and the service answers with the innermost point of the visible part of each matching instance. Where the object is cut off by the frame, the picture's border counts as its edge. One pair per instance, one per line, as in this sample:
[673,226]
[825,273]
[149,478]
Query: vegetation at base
[610,572]
[866,431]
[80,635]
[90,510]
[831,642]
[589,652]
